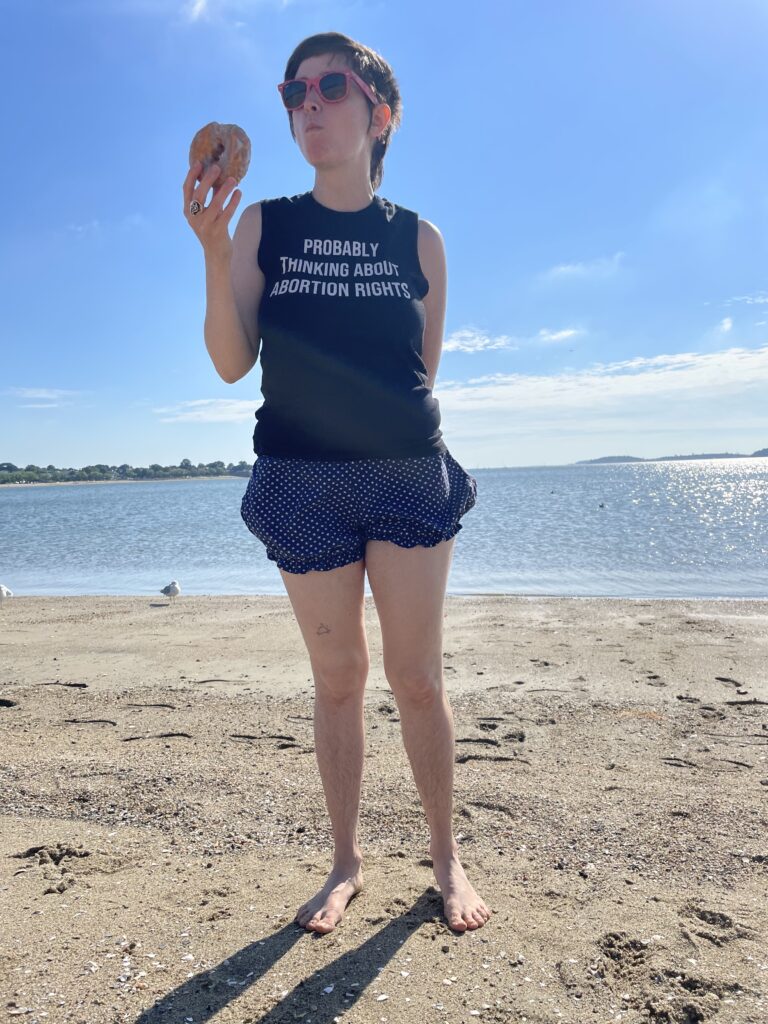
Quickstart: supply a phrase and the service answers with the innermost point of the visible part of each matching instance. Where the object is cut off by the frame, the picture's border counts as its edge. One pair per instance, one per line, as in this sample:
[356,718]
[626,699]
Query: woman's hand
[211,223]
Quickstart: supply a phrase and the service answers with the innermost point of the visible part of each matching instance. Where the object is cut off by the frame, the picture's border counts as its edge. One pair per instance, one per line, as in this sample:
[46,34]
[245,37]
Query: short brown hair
[373,69]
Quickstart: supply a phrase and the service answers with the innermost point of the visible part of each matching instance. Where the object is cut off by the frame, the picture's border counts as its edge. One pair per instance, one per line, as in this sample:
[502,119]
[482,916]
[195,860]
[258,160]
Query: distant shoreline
[151,480]
[606,460]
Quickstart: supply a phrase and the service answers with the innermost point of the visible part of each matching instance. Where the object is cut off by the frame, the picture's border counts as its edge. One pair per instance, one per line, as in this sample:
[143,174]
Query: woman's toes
[324,923]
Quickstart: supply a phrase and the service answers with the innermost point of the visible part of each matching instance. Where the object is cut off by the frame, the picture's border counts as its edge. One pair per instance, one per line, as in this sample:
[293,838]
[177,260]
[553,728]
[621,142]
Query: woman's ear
[382,115]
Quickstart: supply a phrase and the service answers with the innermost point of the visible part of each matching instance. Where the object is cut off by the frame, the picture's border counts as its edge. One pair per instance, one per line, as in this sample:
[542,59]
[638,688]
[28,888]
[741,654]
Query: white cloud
[96,228]
[755,299]
[182,11]
[196,9]
[48,398]
[605,266]
[557,336]
[726,324]
[471,339]
[91,227]
[656,383]
[208,410]
[207,10]
[650,394]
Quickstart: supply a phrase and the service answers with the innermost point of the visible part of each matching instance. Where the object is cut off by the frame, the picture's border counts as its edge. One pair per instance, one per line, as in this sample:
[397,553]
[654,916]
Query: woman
[347,292]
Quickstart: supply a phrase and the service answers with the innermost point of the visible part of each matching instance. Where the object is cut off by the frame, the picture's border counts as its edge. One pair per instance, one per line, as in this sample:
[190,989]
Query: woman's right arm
[234,287]
[233,278]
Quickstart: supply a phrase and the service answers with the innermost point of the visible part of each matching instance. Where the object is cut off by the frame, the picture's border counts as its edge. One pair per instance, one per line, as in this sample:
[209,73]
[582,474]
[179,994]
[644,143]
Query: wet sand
[163,817]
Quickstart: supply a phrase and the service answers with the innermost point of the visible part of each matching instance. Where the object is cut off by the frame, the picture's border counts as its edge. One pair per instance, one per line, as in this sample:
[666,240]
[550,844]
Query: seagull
[172,590]
[4,592]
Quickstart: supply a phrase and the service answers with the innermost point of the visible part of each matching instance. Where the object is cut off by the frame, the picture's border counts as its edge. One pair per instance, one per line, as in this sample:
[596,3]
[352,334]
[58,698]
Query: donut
[224,144]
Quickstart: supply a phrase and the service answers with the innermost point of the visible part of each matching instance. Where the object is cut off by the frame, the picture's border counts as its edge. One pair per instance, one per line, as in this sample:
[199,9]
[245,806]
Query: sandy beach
[163,817]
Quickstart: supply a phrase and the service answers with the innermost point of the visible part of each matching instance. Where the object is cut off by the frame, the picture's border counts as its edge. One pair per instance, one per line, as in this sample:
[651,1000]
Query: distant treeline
[10,474]
[763,453]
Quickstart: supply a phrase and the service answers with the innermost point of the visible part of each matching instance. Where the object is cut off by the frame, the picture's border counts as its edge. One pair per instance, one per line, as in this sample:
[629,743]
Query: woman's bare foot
[463,907]
[326,908]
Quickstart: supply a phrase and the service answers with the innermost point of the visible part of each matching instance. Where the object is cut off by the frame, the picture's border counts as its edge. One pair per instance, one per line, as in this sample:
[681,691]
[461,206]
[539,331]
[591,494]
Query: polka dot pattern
[316,515]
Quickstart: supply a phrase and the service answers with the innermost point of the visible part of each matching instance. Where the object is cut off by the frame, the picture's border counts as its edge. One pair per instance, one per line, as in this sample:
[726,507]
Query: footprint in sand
[89,721]
[741,689]
[50,859]
[654,679]
[623,954]
[715,926]
[463,758]
[710,711]
[489,741]
[518,736]
[158,736]
[171,707]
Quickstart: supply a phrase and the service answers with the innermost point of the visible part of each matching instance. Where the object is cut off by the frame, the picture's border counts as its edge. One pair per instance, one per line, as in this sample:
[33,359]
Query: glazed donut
[224,144]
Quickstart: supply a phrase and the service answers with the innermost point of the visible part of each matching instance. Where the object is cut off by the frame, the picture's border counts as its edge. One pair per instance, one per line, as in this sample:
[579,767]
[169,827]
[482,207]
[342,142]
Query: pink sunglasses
[331,86]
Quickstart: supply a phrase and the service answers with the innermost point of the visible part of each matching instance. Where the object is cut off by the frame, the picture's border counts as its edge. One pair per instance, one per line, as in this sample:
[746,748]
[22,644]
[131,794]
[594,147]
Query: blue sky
[597,170]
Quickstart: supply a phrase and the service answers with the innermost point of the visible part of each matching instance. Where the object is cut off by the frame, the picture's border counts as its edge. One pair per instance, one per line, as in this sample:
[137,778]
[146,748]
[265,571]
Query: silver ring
[194,207]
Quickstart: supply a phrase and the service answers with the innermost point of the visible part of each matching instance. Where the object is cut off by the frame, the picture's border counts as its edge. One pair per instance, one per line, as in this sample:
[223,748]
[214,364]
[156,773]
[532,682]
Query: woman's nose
[310,101]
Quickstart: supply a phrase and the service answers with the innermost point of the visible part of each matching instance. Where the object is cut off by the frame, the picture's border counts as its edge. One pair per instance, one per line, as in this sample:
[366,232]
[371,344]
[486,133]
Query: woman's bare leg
[408,587]
[329,608]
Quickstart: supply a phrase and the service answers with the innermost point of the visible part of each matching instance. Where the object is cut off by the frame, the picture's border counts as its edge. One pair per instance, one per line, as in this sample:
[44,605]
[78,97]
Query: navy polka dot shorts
[317,514]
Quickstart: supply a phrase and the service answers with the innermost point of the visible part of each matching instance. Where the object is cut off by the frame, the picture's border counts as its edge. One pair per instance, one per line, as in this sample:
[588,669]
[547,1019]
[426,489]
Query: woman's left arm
[433,266]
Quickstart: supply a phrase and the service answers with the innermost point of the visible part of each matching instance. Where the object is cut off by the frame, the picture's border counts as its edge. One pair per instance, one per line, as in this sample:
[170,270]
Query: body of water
[696,528]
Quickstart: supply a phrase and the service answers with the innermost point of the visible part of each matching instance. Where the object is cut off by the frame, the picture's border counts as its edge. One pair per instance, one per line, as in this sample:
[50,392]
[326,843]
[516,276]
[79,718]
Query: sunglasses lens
[333,86]
[294,93]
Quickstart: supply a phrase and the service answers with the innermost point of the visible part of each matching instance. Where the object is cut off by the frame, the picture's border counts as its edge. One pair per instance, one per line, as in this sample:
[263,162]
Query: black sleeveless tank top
[342,323]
